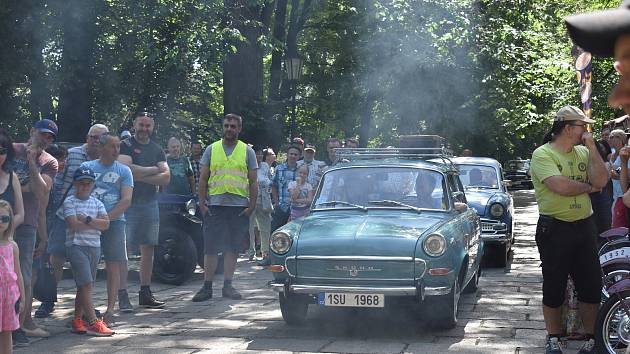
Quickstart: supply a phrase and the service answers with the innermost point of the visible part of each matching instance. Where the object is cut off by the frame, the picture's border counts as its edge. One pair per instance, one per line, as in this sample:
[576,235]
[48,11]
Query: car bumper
[387,291]
[494,231]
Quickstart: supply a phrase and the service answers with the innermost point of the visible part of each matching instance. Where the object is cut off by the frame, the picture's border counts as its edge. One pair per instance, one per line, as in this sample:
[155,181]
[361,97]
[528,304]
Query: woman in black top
[9,183]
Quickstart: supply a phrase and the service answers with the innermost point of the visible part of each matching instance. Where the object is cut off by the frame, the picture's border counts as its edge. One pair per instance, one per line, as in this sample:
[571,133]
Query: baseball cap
[84,173]
[46,126]
[569,113]
[310,147]
[298,141]
[125,134]
[597,32]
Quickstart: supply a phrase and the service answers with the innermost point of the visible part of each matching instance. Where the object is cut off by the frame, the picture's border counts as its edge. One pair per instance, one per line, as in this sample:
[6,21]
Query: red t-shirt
[47,166]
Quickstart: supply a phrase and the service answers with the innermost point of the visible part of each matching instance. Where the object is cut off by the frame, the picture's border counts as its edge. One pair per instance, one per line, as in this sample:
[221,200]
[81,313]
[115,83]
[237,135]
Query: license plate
[623,252]
[351,300]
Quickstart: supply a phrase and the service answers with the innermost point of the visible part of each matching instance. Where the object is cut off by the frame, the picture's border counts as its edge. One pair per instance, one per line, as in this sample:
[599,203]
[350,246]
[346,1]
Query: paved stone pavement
[504,316]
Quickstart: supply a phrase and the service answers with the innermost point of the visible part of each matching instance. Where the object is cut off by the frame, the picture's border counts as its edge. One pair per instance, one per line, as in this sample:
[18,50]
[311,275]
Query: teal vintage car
[384,224]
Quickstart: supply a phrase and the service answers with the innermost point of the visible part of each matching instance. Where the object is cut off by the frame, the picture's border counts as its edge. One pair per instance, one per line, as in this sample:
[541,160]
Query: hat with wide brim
[597,32]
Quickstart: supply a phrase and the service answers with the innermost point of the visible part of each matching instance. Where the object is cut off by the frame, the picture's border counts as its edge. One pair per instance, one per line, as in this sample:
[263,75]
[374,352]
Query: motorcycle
[612,334]
[180,246]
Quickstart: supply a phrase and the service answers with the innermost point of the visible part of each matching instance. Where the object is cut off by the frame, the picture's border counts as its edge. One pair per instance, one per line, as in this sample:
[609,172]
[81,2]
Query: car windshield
[382,187]
[517,165]
[478,176]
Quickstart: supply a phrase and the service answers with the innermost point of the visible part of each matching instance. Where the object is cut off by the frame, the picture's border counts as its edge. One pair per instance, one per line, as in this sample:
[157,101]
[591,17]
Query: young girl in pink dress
[11,283]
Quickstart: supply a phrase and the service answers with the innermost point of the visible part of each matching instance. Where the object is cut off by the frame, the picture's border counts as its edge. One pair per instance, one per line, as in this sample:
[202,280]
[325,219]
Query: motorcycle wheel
[175,257]
[612,329]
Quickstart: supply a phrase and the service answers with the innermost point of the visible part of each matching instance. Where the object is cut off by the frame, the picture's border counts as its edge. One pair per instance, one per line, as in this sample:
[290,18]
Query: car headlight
[434,245]
[496,210]
[191,207]
[280,242]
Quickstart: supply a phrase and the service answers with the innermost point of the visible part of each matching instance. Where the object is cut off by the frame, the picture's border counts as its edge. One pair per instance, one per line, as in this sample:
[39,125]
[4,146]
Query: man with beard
[36,170]
[228,189]
[150,170]
[564,172]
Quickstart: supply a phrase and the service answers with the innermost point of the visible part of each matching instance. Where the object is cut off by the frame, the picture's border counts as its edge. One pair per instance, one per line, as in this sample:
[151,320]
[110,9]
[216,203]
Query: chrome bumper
[387,291]
[500,238]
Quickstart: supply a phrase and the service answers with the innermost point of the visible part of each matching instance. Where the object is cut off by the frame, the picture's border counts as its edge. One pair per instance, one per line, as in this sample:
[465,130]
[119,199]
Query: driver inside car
[425,187]
[475,177]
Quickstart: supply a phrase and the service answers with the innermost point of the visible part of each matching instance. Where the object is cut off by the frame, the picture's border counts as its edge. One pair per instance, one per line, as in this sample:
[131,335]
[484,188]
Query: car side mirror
[460,207]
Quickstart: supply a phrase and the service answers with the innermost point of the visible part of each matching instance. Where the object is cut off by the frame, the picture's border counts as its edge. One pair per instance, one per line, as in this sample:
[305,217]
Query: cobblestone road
[504,316]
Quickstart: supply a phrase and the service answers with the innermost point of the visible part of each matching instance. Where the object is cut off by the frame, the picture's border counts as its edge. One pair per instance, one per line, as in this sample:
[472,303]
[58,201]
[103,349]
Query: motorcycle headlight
[280,242]
[434,245]
[191,207]
[496,210]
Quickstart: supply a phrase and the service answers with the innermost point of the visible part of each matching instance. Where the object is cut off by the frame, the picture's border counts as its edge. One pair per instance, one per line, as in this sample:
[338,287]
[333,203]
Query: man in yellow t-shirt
[563,173]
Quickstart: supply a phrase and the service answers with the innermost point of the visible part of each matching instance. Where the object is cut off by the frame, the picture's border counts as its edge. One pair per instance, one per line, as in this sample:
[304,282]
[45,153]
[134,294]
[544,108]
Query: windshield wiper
[393,202]
[335,202]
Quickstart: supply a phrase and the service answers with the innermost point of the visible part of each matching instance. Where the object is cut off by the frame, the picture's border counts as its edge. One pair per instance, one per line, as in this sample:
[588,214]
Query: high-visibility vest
[228,174]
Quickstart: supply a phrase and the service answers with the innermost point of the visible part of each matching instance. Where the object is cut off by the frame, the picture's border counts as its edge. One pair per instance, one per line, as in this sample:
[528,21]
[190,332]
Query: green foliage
[486,74]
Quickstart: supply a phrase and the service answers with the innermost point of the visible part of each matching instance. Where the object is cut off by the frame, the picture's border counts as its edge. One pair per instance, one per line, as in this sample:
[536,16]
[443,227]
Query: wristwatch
[88,220]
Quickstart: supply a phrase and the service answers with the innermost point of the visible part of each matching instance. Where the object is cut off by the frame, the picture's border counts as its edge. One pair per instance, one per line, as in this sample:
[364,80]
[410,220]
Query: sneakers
[588,347]
[78,326]
[45,309]
[203,294]
[553,346]
[146,299]
[231,293]
[99,329]
[124,305]
[19,338]
[109,319]
[36,332]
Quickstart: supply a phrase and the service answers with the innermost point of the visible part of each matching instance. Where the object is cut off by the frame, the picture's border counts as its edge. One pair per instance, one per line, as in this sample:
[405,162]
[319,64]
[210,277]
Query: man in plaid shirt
[285,173]
[195,158]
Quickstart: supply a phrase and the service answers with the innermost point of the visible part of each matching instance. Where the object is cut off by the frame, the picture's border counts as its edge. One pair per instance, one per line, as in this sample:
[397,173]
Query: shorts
[224,230]
[113,242]
[56,236]
[619,217]
[84,260]
[143,224]
[569,248]
[25,236]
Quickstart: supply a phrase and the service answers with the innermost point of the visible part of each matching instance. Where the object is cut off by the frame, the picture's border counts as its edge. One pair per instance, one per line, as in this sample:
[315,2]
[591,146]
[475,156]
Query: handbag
[45,288]
[266,204]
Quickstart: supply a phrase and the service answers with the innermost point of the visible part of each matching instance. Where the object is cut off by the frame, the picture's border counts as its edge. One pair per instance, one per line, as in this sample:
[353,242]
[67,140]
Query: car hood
[479,199]
[372,233]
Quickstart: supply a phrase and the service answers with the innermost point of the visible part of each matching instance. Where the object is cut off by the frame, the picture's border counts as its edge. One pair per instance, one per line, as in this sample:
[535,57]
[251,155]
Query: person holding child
[11,282]
[86,217]
[301,194]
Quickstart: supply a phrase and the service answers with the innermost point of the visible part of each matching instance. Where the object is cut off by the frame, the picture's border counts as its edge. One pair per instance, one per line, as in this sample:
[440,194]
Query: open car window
[373,187]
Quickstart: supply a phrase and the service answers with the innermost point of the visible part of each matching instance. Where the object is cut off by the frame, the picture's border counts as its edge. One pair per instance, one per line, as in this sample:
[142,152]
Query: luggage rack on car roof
[356,154]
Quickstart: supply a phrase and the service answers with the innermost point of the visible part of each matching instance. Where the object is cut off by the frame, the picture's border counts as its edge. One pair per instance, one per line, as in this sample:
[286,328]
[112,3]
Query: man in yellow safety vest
[228,187]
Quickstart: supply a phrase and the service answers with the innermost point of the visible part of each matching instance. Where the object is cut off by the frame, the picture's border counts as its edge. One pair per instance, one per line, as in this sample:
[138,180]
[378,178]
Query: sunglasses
[3,150]
[5,219]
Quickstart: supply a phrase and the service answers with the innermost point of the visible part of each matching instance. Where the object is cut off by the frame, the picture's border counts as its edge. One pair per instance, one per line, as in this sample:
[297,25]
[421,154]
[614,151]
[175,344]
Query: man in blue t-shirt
[114,187]
[150,170]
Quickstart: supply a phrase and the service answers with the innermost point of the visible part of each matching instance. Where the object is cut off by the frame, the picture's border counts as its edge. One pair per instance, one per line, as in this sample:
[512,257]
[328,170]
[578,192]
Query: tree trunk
[41,97]
[242,70]
[77,63]
[279,35]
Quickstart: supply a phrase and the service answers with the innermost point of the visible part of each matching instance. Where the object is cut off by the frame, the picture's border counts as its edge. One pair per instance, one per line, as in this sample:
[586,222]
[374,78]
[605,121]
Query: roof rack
[353,154]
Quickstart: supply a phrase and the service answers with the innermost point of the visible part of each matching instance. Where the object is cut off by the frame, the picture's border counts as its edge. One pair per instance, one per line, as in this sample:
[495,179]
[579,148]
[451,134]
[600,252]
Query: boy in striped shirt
[85,218]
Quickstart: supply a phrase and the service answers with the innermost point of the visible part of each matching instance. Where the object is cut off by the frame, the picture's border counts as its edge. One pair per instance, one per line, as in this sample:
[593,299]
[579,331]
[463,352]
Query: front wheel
[441,311]
[473,284]
[294,308]
[612,329]
[175,257]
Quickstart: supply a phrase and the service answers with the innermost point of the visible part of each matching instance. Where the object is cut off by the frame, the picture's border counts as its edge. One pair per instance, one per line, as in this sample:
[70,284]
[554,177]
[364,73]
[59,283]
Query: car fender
[619,286]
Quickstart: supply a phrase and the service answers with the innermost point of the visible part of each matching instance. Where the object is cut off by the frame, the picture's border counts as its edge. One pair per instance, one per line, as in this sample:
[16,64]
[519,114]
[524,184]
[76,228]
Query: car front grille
[492,226]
